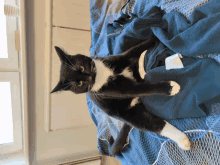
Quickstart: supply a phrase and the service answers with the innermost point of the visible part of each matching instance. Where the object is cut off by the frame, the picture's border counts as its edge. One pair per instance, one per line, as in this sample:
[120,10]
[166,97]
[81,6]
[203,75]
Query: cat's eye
[81,68]
[80,83]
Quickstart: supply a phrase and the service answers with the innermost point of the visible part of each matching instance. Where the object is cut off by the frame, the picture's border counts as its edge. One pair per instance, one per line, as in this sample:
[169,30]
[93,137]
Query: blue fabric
[194,36]
[200,76]
[199,80]
[187,37]
[188,27]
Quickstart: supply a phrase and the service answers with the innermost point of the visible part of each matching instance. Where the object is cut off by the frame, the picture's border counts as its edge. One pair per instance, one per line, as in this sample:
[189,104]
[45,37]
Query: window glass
[6,122]
[3,32]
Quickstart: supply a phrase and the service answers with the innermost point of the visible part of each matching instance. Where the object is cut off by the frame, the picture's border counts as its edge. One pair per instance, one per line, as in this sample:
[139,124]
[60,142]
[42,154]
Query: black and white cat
[114,84]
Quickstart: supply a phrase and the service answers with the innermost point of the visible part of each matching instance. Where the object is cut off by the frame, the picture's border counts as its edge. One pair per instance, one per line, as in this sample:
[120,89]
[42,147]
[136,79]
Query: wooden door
[61,127]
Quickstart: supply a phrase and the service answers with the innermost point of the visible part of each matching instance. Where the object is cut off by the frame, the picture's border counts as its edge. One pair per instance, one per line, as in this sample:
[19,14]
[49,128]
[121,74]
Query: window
[3,32]
[8,27]
[10,87]
[6,122]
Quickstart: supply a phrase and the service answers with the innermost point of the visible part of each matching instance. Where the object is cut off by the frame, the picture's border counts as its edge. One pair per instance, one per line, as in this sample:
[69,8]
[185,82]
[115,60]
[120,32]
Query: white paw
[175,88]
[184,143]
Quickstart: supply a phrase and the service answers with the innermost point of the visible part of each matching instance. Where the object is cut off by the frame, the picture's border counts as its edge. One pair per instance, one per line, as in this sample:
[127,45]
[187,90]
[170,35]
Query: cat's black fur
[78,74]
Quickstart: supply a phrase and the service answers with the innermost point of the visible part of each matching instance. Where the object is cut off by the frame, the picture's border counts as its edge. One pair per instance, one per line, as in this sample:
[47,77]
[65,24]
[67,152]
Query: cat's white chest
[102,75]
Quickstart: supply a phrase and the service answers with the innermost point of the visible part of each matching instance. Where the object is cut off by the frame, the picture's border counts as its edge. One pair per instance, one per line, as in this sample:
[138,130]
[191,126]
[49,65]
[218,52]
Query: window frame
[11,70]
[11,27]
[13,78]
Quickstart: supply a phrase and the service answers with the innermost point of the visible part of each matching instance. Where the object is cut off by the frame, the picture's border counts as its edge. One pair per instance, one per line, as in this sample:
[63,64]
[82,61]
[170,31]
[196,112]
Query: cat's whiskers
[89,88]
[91,65]
[67,86]
[93,68]
[67,64]
[69,60]
[71,67]
[73,85]
[96,97]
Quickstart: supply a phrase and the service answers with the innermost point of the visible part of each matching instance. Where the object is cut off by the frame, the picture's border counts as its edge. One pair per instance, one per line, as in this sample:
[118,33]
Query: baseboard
[71,158]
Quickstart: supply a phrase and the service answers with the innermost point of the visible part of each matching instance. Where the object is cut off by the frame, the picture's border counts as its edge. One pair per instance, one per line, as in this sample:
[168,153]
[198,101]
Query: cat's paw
[175,88]
[184,143]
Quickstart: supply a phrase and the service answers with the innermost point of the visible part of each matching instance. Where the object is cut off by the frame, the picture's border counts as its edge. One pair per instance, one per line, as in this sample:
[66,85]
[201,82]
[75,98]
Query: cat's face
[77,73]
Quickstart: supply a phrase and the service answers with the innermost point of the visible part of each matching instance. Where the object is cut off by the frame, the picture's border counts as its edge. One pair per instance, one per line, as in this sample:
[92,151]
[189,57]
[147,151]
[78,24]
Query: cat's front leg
[143,120]
[128,90]
[169,88]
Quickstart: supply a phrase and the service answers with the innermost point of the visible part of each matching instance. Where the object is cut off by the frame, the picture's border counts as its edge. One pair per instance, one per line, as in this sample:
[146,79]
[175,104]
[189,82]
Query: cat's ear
[62,55]
[57,88]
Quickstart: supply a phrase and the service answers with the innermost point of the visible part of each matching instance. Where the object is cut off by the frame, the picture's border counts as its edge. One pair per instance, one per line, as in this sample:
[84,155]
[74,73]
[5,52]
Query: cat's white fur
[175,89]
[176,86]
[127,73]
[134,101]
[169,131]
[176,135]
[141,65]
[102,75]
